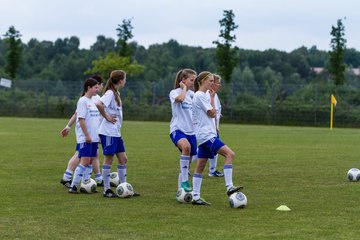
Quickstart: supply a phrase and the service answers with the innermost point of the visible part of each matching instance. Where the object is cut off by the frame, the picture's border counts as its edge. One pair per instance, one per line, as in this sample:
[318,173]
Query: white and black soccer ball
[88,186]
[353,174]
[114,179]
[237,200]
[125,190]
[183,196]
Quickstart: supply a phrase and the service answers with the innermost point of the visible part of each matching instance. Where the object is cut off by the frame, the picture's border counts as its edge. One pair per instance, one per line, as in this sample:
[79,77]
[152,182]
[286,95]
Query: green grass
[303,168]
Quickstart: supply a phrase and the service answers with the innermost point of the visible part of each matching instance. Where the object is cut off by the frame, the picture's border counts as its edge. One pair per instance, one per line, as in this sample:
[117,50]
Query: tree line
[269,71]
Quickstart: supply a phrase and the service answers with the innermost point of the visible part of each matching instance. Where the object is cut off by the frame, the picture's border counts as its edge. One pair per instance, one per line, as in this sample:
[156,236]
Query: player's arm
[100,106]
[212,112]
[66,129]
[181,97]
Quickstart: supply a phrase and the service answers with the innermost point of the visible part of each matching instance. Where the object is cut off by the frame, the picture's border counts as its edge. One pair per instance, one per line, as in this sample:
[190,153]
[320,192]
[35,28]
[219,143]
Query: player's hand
[88,139]
[212,93]
[111,119]
[183,86]
[64,132]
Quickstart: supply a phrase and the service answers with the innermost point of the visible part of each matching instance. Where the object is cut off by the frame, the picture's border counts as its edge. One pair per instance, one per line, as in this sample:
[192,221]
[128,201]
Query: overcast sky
[263,24]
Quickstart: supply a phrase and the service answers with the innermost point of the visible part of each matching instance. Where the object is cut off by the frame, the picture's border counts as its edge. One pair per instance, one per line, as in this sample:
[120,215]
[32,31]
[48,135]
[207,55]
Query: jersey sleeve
[81,109]
[173,94]
[107,97]
[204,102]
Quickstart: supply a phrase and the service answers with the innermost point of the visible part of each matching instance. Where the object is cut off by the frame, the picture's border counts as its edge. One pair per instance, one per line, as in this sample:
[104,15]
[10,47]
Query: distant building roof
[318,70]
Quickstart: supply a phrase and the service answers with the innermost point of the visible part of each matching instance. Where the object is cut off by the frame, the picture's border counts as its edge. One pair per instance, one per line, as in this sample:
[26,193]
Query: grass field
[303,168]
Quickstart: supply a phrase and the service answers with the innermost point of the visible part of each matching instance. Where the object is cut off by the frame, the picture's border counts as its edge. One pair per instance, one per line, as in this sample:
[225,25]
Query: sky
[262,24]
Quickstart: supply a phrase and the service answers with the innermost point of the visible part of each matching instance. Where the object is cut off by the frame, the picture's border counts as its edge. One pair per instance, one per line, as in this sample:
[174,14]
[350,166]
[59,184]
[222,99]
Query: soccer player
[213,172]
[209,144]
[110,107]
[74,160]
[87,125]
[181,126]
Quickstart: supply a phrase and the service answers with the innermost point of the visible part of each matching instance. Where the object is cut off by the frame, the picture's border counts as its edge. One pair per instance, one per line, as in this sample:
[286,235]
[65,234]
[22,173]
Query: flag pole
[331,116]
[333,103]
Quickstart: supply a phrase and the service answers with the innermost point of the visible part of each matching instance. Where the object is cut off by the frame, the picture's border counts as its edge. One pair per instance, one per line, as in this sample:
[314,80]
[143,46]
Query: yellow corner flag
[333,103]
[333,100]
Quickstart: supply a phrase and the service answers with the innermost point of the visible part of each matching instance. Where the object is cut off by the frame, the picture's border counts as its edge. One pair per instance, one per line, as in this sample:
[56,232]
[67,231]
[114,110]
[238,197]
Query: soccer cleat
[136,194]
[186,186]
[109,194]
[100,184]
[200,201]
[216,173]
[233,189]
[66,183]
[73,190]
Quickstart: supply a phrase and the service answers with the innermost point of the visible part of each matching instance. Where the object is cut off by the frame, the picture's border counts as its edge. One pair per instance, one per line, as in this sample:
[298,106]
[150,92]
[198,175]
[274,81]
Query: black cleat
[234,189]
[100,184]
[109,194]
[216,173]
[67,184]
[136,194]
[73,190]
[200,201]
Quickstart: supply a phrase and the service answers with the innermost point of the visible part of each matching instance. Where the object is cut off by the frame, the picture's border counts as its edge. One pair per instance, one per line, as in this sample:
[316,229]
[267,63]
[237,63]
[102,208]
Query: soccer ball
[114,179]
[353,174]
[124,190]
[237,200]
[184,197]
[88,186]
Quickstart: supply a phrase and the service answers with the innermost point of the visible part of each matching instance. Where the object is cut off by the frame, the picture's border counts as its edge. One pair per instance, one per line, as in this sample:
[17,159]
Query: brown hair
[115,77]
[201,77]
[90,82]
[183,74]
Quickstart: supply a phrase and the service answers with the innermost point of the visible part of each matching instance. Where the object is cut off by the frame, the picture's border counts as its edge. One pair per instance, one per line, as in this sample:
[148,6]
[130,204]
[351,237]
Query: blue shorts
[87,149]
[209,148]
[177,135]
[77,147]
[111,145]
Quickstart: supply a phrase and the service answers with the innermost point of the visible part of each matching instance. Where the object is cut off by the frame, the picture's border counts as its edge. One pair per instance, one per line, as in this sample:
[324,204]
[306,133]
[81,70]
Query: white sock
[80,169]
[106,176]
[197,180]
[194,157]
[179,181]
[228,175]
[184,167]
[98,177]
[213,164]
[68,175]
[87,173]
[121,169]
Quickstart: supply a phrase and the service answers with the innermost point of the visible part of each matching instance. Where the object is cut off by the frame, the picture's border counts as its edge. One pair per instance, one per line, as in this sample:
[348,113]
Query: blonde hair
[200,78]
[115,77]
[217,78]
[183,74]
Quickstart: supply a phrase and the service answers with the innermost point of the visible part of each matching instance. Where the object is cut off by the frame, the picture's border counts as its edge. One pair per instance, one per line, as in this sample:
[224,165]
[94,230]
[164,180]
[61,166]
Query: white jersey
[181,112]
[87,110]
[204,125]
[217,106]
[112,109]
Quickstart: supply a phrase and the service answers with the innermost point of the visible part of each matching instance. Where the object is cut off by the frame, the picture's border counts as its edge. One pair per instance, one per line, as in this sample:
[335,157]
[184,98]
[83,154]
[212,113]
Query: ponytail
[115,77]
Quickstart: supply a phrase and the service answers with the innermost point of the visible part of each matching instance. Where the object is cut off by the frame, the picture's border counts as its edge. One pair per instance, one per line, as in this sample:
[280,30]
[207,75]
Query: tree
[124,34]
[13,56]
[225,54]
[111,62]
[336,63]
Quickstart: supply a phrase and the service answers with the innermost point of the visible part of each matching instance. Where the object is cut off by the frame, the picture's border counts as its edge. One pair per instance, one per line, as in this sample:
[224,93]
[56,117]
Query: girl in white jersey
[87,124]
[74,160]
[209,143]
[110,107]
[181,127]
[213,172]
